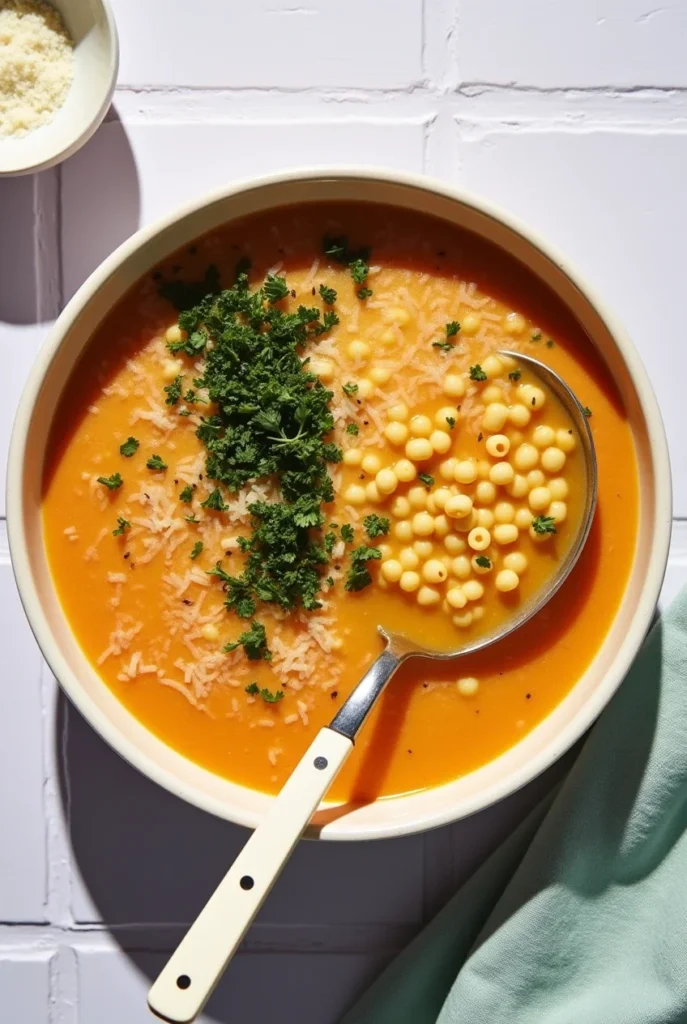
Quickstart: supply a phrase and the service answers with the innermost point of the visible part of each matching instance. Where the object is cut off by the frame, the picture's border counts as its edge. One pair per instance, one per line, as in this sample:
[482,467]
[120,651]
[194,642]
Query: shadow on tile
[141,856]
[18,234]
[100,202]
[147,857]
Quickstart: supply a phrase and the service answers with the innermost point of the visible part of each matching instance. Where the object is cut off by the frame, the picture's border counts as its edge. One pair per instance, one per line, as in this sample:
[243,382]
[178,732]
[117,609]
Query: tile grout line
[262,938]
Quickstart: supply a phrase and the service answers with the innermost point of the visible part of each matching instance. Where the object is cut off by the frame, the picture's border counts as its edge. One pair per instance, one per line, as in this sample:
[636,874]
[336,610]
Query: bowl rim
[643,611]
[57,156]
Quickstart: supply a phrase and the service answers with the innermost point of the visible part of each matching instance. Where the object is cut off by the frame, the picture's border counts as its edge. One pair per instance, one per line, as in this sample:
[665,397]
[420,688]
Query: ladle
[187,981]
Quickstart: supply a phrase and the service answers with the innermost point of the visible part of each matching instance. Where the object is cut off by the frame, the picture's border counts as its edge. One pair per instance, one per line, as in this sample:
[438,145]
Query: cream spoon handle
[187,981]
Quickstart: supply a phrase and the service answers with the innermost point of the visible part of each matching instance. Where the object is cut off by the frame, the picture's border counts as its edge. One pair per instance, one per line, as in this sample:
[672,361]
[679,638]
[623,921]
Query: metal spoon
[187,981]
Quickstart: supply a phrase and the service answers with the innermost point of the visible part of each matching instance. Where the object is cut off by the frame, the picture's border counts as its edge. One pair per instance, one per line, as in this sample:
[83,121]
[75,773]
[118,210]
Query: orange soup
[327,440]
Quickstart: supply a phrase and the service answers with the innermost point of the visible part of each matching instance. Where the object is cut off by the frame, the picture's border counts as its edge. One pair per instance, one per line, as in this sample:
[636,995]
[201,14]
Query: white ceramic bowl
[92,27]
[104,288]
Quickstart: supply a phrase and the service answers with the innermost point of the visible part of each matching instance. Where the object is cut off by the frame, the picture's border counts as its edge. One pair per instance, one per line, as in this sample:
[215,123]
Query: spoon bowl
[399,648]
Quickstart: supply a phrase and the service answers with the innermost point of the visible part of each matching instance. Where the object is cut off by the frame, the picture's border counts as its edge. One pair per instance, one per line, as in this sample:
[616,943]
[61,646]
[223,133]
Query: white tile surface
[588,43]
[286,44]
[25,987]
[145,170]
[572,123]
[22,847]
[619,222]
[21,330]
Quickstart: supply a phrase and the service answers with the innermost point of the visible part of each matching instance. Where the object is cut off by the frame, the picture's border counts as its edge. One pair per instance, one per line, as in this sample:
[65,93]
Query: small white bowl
[55,362]
[92,27]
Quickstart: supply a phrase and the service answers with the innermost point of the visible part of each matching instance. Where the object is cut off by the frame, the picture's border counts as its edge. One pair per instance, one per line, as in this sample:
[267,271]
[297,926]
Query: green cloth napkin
[581,916]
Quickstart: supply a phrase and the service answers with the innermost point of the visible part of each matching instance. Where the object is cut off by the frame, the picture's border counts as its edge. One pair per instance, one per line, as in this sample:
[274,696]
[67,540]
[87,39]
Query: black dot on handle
[183,981]
[320,763]
[246,882]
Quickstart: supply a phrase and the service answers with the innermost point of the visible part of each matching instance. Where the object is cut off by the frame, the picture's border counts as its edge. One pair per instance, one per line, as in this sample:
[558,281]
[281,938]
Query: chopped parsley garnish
[352,428]
[173,391]
[550,343]
[356,260]
[192,518]
[254,643]
[215,501]
[184,412]
[536,336]
[192,396]
[329,541]
[155,462]
[359,269]
[515,374]
[358,575]
[111,482]
[347,533]
[376,526]
[426,478]
[451,420]
[483,562]
[477,373]
[329,581]
[544,524]
[328,295]
[275,288]
[186,495]
[336,249]
[129,448]
[122,526]
[271,418]
[350,388]
[271,698]
[451,331]
[587,411]
[196,549]
[329,320]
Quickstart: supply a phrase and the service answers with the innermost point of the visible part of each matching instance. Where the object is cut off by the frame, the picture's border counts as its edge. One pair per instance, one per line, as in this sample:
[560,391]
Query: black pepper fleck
[186,600]
[314,292]
[480,436]
[127,554]
[528,696]
[293,293]
[334,694]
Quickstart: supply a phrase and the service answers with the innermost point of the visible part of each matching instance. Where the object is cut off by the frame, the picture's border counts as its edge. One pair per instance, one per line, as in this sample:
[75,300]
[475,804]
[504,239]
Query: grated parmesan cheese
[36,65]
